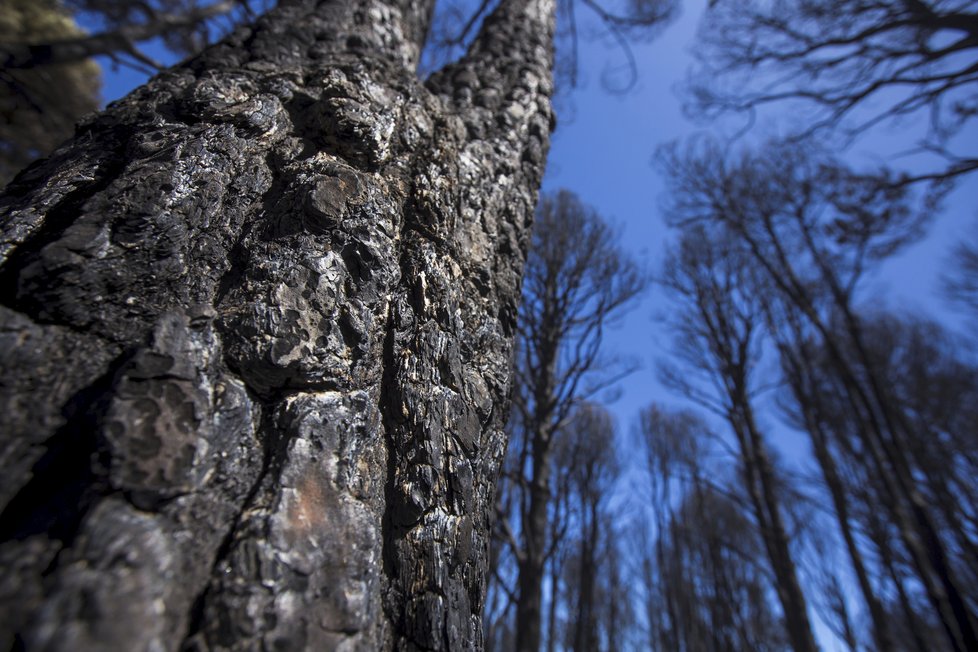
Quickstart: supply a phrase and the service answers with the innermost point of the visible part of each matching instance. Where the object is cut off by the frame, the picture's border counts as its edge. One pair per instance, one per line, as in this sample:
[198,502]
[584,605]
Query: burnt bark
[255,329]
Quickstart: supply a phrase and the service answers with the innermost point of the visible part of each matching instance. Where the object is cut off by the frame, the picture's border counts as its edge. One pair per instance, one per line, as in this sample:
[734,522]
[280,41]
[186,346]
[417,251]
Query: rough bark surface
[255,333]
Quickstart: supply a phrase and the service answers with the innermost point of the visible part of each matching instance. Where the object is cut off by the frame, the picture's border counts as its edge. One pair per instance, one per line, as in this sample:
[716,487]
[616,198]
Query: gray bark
[255,329]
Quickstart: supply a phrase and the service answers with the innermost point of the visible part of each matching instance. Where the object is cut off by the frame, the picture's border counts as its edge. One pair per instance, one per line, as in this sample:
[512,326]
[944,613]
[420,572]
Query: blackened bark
[255,331]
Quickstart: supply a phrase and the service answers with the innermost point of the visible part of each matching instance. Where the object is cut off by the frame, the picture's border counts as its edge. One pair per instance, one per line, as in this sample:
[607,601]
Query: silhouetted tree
[961,281]
[578,281]
[704,585]
[718,327]
[936,392]
[801,372]
[591,435]
[616,595]
[809,228]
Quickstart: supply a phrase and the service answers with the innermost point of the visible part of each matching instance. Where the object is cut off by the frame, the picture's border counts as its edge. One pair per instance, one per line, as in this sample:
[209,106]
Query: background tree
[704,587]
[961,281]
[616,597]
[240,310]
[718,333]
[577,282]
[591,433]
[934,388]
[38,108]
[801,368]
[811,229]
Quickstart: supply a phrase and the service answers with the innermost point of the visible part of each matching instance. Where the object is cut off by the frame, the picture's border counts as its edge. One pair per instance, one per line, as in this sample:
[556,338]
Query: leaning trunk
[759,478]
[840,502]
[255,332]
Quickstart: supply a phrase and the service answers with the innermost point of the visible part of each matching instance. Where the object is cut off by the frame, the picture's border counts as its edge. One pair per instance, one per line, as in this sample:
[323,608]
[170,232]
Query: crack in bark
[272,454]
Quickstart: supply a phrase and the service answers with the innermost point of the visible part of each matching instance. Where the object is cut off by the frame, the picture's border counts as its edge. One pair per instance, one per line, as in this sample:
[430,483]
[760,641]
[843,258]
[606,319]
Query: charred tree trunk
[255,334]
[586,626]
[762,490]
[529,608]
[802,385]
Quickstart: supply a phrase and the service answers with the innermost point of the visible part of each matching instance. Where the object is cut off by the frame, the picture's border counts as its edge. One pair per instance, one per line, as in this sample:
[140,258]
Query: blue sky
[604,154]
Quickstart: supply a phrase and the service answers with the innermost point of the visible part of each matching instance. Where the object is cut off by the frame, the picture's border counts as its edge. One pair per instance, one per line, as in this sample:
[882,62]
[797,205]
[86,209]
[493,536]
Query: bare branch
[123,39]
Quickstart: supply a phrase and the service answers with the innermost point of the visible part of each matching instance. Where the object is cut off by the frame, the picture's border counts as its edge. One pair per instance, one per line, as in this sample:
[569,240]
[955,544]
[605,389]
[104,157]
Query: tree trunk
[255,335]
[585,626]
[762,490]
[529,608]
[840,502]
[556,567]
[883,431]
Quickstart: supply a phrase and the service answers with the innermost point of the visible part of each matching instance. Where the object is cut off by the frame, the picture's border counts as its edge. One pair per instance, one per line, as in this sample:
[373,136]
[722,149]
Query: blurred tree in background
[49,78]
[578,282]
[40,105]
[887,401]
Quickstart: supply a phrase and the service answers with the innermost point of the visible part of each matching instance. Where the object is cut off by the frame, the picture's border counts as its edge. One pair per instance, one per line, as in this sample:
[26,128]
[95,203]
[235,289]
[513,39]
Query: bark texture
[255,333]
